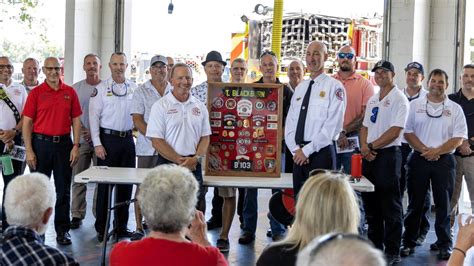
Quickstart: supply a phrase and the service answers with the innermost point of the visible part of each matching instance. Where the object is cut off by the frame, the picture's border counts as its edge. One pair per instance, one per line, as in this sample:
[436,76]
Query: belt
[389,149]
[117,133]
[441,156]
[54,139]
[304,143]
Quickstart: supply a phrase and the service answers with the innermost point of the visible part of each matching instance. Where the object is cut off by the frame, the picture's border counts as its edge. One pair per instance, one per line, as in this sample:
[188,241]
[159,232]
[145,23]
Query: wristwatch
[371,147]
[77,144]
[343,132]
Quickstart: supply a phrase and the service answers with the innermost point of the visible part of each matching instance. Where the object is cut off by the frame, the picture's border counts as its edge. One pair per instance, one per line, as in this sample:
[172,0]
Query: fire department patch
[340,94]
[94,92]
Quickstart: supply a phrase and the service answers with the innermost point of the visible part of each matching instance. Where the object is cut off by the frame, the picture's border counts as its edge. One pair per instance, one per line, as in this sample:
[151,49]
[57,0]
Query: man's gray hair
[27,198]
[340,251]
[168,197]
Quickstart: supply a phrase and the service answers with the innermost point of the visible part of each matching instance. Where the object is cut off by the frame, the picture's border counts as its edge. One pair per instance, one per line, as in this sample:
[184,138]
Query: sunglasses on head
[324,240]
[345,55]
[268,53]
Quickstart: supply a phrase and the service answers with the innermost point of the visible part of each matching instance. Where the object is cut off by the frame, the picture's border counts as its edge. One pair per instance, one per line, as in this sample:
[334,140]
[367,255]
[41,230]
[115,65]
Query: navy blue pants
[120,153]
[383,207]
[323,159]
[54,158]
[420,172]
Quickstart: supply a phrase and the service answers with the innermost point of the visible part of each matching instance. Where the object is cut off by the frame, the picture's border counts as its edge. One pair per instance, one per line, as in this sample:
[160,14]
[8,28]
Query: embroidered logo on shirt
[340,94]
[386,103]
[447,113]
[94,92]
[172,111]
[196,111]
[67,97]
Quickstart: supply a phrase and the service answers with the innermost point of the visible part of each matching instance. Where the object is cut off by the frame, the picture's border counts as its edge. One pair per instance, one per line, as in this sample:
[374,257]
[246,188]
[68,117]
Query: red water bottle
[356,165]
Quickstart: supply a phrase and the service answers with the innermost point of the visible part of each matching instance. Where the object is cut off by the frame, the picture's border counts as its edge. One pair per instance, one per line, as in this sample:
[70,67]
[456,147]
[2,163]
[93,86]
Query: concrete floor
[87,250]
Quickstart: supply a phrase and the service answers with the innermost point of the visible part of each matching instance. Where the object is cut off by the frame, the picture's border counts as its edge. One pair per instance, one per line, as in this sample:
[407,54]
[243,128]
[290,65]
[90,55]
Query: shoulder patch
[94,92]
[340,94]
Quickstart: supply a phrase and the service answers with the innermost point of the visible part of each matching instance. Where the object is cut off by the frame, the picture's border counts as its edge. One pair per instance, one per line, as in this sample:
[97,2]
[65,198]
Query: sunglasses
[345,55]
[268,53]
[324,240]
[375,112]
[57,69]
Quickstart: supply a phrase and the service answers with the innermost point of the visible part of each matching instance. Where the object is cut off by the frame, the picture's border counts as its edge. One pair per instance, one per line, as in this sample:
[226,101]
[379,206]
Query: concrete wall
[423,31]
[90,28]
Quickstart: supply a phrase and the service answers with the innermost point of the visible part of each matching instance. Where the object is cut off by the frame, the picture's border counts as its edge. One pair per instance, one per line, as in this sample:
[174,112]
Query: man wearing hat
[380,139]
[213,67]
[414,75]
[143,99]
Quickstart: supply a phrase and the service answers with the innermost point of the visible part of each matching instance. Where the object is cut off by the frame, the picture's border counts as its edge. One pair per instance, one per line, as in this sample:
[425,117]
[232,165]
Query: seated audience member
[168,197]
[29,203]
[464,241]
[326,204]
[340,249]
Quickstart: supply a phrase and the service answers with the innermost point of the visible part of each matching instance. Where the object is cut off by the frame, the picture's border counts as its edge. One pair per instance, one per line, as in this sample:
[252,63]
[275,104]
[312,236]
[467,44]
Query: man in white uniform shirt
[111,131]
[310,137]
[143,99]
[436,126]
[179,127]
[380,137]
[12,100]
[84,89]
[414,76]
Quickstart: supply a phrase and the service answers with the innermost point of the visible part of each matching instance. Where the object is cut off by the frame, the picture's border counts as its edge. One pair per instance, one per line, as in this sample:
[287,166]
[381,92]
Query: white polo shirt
[381,115]
[143,99]
[420,93]
[431,131]
[17,95]
[110,106]
[181,125]
[325,116]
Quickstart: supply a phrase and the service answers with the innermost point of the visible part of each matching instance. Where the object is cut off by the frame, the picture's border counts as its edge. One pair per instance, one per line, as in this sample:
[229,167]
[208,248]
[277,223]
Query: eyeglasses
[57,69]
[375,112]
[324,240]
[9,67]
[268,53]
[345,55]
[433,116]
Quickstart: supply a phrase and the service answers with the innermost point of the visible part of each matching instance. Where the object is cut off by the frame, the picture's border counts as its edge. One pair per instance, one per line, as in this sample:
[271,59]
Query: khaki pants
[464,167]
[78,202]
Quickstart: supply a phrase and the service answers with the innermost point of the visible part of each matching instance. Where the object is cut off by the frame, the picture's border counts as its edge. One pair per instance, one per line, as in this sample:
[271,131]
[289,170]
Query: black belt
[54,139]
[117,133]
[441,156]
[389,149]
[304,143]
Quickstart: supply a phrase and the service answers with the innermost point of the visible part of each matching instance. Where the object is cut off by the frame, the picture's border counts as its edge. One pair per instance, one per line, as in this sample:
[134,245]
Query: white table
[118,175]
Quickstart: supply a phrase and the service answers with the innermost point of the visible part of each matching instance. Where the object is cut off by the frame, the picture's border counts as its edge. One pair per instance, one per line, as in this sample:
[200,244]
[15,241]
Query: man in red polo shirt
[49,112]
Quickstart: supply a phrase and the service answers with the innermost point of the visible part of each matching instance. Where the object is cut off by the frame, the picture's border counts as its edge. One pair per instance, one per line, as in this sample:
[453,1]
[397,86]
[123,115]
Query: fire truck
[298,30]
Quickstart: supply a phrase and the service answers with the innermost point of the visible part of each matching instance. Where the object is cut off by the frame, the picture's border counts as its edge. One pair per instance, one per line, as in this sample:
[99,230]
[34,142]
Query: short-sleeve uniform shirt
[180,124]
[380,115]
[17,95]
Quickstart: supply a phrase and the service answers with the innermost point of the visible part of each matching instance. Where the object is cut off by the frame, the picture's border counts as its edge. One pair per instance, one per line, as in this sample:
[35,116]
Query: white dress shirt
[325,115]
[110,107]
[17,95]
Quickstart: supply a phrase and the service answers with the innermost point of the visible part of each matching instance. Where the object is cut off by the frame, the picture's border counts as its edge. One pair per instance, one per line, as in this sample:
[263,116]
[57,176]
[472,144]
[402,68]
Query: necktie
[299,136]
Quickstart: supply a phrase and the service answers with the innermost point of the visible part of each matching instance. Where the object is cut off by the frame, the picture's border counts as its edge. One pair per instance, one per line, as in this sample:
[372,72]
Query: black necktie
[299,136]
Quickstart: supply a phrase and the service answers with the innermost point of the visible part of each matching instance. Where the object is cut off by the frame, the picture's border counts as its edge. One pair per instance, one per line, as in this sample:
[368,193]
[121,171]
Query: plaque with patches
[246,121]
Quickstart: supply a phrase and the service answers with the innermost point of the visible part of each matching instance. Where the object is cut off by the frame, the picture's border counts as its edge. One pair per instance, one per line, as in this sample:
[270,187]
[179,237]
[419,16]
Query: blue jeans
[251,214]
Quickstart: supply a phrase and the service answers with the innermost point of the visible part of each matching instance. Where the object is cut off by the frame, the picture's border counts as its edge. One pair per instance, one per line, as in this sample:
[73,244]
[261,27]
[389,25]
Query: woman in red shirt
[168,197]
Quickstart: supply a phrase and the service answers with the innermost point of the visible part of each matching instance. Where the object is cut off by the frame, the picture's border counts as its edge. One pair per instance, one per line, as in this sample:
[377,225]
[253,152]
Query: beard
[345,68]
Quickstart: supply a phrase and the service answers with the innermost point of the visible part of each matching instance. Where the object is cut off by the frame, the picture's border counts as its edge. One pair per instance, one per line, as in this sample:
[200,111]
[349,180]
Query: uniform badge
[217,102]
[230,104]
[94,92]
[271,106]
[340,94]
[244,108]
[259,105]
[231,134]
[270,164]
[322,94]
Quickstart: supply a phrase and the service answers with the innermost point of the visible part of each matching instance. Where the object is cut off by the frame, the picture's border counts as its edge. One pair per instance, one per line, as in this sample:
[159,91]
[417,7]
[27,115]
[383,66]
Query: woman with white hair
[29,203]
[168,198]
[326,204]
